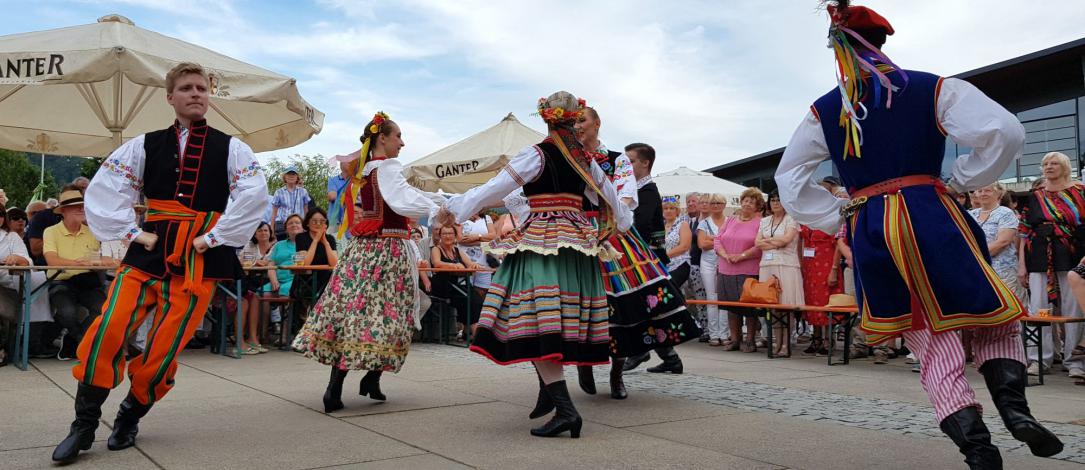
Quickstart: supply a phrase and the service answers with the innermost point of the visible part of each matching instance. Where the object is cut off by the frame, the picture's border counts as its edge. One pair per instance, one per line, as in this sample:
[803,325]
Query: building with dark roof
[1045,89]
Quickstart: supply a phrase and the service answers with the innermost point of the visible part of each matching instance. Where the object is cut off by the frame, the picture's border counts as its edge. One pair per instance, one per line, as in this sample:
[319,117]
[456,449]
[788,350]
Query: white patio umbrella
[471,161]
[84,90]
[684,180]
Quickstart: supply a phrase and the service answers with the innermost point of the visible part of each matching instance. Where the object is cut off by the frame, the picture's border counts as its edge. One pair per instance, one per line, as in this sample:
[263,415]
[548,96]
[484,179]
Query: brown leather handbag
[761,292]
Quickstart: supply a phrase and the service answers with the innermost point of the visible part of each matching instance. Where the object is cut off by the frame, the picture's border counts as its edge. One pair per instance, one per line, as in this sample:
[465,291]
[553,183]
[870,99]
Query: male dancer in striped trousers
[205,193]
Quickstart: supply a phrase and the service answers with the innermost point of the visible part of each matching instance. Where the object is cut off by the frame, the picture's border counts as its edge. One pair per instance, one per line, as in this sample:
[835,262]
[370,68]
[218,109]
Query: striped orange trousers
[132,295]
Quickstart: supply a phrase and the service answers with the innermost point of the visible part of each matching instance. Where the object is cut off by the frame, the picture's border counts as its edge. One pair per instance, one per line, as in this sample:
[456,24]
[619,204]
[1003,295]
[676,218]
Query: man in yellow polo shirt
[76,295]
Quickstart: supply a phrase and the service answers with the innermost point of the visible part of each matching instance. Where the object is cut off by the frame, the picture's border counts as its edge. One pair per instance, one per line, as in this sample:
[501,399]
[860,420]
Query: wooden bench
[1032,335]
[776,320]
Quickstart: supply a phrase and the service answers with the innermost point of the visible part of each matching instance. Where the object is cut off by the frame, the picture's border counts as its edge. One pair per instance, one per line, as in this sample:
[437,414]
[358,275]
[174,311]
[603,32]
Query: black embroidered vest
[557,175]
[198,178]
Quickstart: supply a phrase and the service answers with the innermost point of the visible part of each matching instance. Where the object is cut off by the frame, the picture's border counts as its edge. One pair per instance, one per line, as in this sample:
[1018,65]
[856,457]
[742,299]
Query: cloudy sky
[705,82]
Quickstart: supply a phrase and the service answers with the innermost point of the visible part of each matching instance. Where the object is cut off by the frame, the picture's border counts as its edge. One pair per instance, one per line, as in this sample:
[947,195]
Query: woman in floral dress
[364,318]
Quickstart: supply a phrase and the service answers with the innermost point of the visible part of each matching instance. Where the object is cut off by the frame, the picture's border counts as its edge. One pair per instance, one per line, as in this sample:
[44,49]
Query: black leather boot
[967,430]
[634,361]
[88,410]
[333,396]
[126,426]
[543,404]
[586,379]
[617,386]
[1006,379]
[371,385]
[672,364]
[566,419]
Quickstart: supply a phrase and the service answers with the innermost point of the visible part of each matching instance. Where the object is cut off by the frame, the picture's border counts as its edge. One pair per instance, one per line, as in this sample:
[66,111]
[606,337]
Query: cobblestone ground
[890,416]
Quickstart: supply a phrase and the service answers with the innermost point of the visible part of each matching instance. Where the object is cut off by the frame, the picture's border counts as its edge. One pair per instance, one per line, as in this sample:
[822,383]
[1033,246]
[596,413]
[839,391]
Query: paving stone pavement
[898,417]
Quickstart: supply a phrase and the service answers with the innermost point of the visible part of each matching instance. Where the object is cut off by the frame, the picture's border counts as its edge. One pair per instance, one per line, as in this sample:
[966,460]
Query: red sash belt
[894,185]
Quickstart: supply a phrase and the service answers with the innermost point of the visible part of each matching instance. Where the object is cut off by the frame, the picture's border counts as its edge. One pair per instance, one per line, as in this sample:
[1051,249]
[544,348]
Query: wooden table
[21,353]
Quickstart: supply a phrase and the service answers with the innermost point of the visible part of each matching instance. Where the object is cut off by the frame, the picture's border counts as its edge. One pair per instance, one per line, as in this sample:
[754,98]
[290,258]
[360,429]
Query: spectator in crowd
[832,184]
[3,198]
[268,209]
[16,222]
[280,281]
[1051,219]
[1000,227]
[820,278]
[81,184]
[76,295]
[696,210]
[778,240]
[12,253]
[41,221]
[33,208]
[454,286]
[707,229]
[318,248]
[477,230]
[289,200]
[973,201]
[336,184]
[738,260]
[256,253]
[677,241]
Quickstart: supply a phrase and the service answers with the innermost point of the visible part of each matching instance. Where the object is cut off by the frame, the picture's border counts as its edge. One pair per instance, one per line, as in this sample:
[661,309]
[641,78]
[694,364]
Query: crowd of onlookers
[1036,241]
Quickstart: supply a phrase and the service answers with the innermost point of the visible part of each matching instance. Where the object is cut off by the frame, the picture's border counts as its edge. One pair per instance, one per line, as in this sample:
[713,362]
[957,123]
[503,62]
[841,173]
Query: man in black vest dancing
[205,194]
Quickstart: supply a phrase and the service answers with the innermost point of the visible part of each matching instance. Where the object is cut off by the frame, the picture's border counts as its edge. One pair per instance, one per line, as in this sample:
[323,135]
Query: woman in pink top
[739,260]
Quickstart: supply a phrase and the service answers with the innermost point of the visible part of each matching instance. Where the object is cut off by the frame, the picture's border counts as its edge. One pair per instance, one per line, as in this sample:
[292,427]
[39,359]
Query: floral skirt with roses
[646,310]
[363,320]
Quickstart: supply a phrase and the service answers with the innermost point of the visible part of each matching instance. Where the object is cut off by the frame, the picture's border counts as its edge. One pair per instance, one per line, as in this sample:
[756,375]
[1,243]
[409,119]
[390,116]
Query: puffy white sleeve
[517,205]
[522,169]
[248,198]
[113,191]
[805,200]
[974,120]
[623,215]
[624,181]
[404,199]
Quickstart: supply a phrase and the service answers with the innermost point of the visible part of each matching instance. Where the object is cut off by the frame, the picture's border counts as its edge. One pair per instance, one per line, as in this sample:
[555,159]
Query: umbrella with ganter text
[84,90]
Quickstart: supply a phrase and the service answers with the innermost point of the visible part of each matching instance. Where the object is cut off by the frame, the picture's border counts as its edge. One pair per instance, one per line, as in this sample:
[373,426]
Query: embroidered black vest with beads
[376,219]
[557,175]
[198,178]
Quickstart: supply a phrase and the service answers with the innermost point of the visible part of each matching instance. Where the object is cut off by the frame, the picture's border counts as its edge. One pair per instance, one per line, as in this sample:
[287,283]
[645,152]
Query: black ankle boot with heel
[566,418]
[543,404]
[371,386]
[333,396]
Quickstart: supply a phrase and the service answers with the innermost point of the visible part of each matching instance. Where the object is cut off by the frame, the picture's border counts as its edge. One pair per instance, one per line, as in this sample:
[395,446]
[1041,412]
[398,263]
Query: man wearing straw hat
[205,194]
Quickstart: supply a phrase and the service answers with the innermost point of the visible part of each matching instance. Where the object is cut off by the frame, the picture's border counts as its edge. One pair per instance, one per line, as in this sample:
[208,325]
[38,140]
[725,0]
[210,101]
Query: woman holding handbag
[738,260]
[778,240]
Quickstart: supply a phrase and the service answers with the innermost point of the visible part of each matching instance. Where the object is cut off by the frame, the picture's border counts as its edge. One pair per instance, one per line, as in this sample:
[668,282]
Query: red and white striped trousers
[941,359]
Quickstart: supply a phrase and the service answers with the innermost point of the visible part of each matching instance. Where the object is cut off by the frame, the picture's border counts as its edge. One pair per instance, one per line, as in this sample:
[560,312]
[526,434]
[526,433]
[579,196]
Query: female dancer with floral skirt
[546,303]
[364,318]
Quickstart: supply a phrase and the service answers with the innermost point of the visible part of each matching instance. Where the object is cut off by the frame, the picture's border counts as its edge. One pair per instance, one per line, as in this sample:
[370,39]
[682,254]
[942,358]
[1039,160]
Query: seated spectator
[16,222]
[451,285]
[778,240]
[318,248]
[12,253]
[256,253]
[33,208]
[76,295]
[38,223]
[283,253]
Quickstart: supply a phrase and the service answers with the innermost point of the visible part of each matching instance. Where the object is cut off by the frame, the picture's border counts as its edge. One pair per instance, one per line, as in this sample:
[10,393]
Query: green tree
[90,166]
[19,177]
[314,171]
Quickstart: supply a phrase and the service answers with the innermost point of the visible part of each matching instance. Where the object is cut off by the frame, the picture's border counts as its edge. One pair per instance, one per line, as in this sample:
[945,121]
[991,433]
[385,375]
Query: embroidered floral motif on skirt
[646,310]
[364,319]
